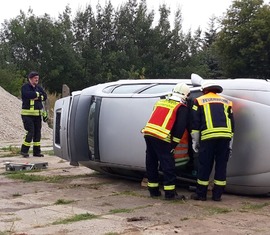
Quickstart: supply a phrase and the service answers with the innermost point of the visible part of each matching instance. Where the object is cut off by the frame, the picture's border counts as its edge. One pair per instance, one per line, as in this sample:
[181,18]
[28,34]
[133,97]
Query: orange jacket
[181,151]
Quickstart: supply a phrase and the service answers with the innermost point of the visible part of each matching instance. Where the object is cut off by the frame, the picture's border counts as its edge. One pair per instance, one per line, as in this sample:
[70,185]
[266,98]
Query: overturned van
[100,126]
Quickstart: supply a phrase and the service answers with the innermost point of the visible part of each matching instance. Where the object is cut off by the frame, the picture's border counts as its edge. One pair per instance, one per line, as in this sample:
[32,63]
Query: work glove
[40,96]
[195,141]
[45,116]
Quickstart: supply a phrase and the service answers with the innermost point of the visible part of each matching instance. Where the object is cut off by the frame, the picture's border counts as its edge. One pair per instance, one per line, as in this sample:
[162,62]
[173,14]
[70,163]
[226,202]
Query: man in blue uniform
[212,136]
[32,113]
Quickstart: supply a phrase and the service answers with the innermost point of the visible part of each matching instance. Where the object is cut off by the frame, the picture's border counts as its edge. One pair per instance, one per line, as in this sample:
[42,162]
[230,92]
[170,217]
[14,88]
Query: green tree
[87,37]
[38,43]
[160,62]
[66,64]
[126,56]
[144,36]
[107,30]
[243,43]
[11,81]
[20,37]
[209,54]
[178,50]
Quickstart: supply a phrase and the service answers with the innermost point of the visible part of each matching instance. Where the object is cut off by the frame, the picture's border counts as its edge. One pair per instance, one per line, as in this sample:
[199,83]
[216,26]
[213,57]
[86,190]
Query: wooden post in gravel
[65,91]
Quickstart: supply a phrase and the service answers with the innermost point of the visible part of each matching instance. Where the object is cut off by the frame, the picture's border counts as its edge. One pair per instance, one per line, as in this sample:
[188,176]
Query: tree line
[111,44]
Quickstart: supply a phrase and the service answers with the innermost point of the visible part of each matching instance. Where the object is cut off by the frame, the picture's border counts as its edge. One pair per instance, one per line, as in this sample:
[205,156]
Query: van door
[78,132]
[60,127]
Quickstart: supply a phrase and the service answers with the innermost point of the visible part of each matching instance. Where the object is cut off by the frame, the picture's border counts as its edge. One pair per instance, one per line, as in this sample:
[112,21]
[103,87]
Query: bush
[52,97]
[11,82]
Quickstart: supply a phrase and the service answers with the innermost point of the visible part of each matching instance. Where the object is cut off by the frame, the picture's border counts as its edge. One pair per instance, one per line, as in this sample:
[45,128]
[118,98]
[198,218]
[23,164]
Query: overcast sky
[195,13]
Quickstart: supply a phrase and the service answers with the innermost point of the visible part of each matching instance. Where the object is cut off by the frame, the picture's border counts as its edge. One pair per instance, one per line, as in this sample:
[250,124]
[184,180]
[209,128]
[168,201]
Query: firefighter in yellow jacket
[162,133]
[32,114]
[212,136]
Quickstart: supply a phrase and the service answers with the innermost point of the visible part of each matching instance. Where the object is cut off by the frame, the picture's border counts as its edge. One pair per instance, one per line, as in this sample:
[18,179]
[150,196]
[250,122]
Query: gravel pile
[11,127]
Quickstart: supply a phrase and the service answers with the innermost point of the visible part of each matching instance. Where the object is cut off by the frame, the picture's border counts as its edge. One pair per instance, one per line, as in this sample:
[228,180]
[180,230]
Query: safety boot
[24,151]
[38,155]
[37,151]
[217,192]
[154,192]
[26,155]
[172,195]
[201,193]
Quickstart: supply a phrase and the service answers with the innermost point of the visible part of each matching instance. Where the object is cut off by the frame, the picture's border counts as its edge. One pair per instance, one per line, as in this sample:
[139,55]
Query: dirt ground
[50,200]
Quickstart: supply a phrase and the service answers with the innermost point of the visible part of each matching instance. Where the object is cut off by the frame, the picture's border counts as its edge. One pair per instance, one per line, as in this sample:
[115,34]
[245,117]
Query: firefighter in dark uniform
[212,136]
[162,133]
[32,114]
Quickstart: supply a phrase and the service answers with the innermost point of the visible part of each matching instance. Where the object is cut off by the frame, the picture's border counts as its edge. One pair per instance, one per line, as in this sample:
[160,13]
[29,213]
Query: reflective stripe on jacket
[162,120]
[212,115]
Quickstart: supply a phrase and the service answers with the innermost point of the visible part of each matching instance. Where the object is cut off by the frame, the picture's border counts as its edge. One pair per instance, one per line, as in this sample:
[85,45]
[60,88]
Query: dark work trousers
[32,125]
[213,151]
[158,151]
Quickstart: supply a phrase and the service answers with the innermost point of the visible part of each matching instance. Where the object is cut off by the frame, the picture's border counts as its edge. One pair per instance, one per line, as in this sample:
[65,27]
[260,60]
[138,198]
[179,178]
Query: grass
[48,152]
[63,202]
[8,155]
[28,177]
[87,216]
[250,206]
[16,195]
[124,210]
[175,201]
[31,178]
[5,233]
[95,186]
[218,210]
[10,148]
[13,150]
[76,218]
[128,193]
[10,151]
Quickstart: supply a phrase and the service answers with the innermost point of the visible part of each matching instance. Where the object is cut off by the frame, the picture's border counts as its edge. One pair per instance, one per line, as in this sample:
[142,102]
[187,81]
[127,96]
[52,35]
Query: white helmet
[180,92]
[211,86]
